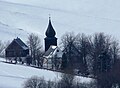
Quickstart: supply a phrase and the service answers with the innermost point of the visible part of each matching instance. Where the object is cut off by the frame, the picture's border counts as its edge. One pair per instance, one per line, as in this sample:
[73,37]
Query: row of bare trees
[66,81]
[97,55]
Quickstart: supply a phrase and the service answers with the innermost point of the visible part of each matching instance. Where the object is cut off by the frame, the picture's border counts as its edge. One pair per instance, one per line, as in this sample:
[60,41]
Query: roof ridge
[16,40]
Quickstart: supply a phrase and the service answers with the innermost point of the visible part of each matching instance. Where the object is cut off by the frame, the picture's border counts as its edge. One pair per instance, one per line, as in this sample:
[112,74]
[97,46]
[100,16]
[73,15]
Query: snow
[13,76]
[24,47]
[84,16]
[53,47]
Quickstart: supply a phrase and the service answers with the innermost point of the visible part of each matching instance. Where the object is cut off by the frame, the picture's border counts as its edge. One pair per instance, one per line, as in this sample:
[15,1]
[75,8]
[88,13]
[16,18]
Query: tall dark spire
[50,30]
[50,38]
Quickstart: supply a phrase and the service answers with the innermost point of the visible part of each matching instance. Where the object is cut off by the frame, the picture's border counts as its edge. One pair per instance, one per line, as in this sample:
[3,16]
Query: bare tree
[66,81]
[105,54]
[68,42]
[77,49]
[39,58]
[2,47]
[35,82]
[83,45]
[35,46]
[115,64]
[101,46]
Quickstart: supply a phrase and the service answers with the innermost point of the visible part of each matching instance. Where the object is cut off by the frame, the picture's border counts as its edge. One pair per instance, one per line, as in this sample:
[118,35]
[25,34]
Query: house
[53,57]
[17,50]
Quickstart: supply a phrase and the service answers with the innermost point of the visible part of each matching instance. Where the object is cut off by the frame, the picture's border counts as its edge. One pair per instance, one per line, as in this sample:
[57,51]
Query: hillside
[13,76]
[21,17]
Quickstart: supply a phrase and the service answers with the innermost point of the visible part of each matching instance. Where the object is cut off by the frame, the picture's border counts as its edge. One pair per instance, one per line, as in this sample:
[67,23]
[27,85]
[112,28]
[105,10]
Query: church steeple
[50,36]
[50,30]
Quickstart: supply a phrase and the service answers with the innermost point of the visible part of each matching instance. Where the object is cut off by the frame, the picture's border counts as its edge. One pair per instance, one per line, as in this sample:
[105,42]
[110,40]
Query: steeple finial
[49,17]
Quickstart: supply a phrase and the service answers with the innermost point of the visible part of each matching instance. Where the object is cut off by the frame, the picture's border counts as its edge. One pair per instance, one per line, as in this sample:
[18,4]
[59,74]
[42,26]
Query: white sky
[84,16]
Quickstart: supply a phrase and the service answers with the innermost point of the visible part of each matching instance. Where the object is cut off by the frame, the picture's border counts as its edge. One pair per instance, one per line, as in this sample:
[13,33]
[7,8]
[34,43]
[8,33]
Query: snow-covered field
[21,17]
[13,76]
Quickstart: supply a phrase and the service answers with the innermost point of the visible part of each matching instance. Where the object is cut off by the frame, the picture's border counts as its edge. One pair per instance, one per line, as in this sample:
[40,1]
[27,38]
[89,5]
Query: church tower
[50,36]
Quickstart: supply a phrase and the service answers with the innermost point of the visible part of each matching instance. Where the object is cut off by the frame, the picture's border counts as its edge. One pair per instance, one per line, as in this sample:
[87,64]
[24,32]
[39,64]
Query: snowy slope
[13,76]
[86,16]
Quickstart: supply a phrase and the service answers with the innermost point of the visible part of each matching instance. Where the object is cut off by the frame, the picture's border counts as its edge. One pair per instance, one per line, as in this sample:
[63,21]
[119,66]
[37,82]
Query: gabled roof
[20,43]
[52,51]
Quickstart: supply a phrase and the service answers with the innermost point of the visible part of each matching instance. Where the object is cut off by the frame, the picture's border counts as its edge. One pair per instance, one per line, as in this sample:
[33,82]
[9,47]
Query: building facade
[17,49]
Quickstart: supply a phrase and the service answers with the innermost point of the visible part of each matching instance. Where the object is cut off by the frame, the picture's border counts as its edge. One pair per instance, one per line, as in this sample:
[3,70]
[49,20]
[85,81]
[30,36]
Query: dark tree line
[97,55]
[76,50]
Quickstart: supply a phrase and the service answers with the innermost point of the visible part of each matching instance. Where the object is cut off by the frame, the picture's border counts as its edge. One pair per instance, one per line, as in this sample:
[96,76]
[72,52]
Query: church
[53,54]
[18,50]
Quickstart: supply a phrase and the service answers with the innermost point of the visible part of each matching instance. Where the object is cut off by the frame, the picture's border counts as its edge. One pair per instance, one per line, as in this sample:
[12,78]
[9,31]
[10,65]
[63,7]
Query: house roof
[21,43]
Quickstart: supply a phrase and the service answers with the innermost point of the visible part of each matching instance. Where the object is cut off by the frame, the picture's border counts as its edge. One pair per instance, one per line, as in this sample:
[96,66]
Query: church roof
[50,30]
[52,51]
